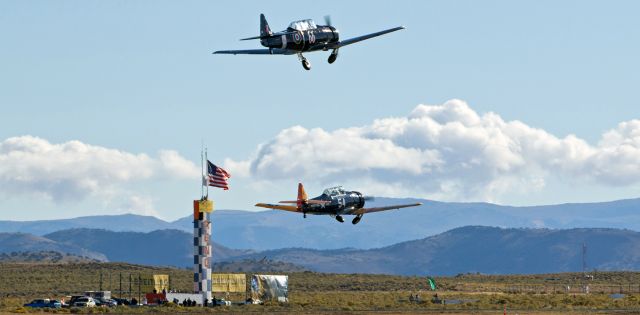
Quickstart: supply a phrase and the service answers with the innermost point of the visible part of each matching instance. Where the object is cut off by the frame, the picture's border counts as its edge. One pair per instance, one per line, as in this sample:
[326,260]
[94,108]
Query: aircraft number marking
[312,37]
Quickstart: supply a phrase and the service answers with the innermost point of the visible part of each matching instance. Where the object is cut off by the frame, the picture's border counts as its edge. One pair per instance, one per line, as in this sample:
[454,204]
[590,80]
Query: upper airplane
[302,36]
[335,202]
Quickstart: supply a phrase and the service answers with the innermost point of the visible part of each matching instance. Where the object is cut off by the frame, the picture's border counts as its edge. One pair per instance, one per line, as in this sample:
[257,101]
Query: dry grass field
[341,293]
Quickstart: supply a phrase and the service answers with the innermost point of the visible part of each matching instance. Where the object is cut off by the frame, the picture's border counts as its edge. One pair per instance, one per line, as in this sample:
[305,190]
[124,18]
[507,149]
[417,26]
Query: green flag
[432,283]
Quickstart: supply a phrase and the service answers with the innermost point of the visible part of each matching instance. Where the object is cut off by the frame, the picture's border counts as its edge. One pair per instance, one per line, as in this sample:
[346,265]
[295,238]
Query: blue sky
[138,77]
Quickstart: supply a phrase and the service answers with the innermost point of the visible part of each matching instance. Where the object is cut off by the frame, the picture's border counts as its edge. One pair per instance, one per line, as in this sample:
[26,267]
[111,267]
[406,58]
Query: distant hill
[486,250]
[265,266]
[160,248]
[44,257]
[123,222]
[278,229]
[22,242]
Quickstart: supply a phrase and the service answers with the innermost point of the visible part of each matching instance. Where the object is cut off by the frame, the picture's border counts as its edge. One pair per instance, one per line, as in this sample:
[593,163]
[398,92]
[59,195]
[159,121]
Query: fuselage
[338,201]
[303,40]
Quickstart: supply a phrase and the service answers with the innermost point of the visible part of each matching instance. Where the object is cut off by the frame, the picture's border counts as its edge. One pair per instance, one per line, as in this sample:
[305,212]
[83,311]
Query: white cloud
[75,170]
[447,151]
[142,205]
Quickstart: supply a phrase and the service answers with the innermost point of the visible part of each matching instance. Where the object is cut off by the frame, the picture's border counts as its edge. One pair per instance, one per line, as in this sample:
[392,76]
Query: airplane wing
[278,207]
[378,209]
[365,37]
[310,202]
[275,51]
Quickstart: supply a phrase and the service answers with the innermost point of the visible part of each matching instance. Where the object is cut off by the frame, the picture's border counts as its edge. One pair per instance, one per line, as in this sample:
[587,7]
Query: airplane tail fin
[302,196]
[265,30]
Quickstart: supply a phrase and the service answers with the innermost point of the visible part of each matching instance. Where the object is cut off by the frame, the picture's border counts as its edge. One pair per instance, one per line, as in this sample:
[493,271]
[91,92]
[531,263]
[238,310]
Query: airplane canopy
[332,191]
[303,25]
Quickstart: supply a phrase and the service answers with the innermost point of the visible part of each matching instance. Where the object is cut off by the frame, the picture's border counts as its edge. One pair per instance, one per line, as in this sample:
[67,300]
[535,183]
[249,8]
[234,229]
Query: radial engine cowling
[358,199]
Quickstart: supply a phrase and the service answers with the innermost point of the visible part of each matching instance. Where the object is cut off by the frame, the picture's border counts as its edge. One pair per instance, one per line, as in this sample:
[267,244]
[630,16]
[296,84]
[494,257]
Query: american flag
[217,177]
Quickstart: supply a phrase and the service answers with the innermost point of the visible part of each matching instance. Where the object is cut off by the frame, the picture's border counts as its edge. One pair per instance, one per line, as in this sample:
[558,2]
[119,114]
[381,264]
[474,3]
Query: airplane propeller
[327,19]
[369,198]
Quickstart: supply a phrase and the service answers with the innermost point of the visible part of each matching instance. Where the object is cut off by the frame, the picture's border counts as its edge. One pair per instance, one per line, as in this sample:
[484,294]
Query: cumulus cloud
[73,170]
[447,151]
[142,205]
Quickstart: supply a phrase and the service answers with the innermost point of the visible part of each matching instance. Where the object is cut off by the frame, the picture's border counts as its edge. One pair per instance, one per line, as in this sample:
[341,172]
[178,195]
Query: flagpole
[202,169]
[207,158]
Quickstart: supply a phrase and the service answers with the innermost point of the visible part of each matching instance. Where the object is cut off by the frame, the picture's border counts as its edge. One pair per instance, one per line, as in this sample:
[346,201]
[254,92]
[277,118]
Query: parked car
[220,302]
[106,302]
[44,303]
[72,300]
[84,301]
[121,301]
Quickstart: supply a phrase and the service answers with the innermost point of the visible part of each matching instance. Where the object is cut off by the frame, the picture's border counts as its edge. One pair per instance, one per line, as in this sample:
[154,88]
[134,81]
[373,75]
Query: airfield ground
[359,294]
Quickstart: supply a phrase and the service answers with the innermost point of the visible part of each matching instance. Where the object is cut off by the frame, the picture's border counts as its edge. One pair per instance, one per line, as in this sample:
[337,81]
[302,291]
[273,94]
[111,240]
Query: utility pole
[139,288]
[584,258]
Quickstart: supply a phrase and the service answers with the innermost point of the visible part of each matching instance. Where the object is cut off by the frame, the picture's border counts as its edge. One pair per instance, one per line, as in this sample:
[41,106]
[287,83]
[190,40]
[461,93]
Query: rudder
[302,195]
[265,30]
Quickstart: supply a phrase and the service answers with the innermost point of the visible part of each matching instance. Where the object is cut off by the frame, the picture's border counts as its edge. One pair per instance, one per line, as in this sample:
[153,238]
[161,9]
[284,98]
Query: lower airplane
[334,201]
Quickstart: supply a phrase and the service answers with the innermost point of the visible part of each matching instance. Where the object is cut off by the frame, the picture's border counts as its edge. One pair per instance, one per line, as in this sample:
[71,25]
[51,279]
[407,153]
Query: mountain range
[23,242]
[487,250]
[269,230]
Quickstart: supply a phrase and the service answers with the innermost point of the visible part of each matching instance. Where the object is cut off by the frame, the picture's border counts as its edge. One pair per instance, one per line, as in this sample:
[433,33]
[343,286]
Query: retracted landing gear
[340,219]
[305,63]
[357,219]
[333,56]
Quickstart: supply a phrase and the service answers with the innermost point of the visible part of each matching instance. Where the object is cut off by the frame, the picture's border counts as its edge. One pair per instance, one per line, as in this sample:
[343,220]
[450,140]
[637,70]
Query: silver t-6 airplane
[334,201]
[302,36]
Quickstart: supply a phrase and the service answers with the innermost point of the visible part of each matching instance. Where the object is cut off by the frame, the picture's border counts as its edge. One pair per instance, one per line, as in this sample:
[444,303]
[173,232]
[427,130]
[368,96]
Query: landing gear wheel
[356,219]
[306,64]
[332,58]
[340,219]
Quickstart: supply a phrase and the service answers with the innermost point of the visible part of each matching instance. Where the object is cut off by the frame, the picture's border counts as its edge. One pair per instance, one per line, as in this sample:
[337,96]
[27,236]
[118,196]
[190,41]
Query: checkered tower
[202,250]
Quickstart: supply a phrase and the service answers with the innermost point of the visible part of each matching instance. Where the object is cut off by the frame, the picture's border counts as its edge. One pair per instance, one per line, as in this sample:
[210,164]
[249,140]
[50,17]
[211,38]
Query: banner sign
[147,283]
[229,282]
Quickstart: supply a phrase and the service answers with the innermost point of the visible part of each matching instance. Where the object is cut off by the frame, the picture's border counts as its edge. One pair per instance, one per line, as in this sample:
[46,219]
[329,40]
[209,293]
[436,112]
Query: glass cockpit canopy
[333,191]
[303,25]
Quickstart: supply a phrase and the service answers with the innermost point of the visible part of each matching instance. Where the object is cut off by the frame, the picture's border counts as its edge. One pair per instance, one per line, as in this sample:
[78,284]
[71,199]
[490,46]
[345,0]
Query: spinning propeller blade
[327,19]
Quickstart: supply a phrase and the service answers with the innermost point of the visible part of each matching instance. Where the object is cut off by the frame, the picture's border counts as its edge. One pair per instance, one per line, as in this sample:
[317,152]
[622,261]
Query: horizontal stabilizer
[309,202]
[278,207]
[270,35]
[255,37]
